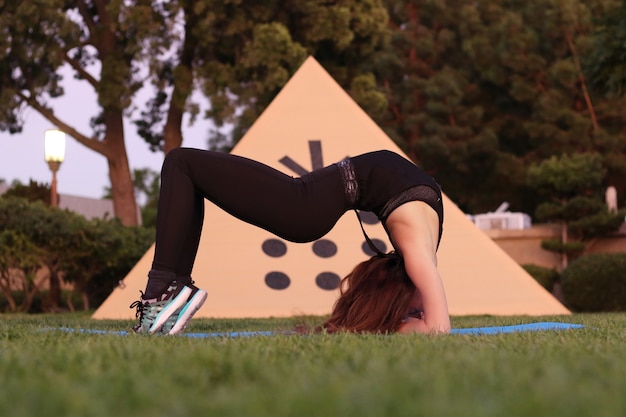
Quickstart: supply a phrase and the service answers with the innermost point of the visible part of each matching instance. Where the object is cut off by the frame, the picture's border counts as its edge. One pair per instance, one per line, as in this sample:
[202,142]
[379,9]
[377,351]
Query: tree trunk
[172,132]
[183,84]
[69,303]
[54,290]
[122,187]
[85,297]
[563,241]
[122,190]
[8,295]
[581,79]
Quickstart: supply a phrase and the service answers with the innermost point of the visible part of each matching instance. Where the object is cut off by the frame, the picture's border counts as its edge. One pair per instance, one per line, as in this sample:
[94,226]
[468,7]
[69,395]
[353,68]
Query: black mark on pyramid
[324,248]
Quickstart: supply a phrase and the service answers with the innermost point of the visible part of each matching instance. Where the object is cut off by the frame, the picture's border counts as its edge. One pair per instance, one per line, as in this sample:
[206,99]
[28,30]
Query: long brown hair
[374,297]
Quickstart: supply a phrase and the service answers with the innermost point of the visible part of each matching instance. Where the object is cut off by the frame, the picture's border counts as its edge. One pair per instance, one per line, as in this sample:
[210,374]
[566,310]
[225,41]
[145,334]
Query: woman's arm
[414,229]
[427,280]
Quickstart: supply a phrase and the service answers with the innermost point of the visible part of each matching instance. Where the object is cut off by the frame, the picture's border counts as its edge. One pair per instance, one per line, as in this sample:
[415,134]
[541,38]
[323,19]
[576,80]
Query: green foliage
[547,277]
[565,176]
[20,260]
[476,92]
[30,55]
[598,224]
[572,209]
[365,91]
[37,302]
[45,229]
[240,54]
[31,192]
[93,255]
[103,257]
[479,91]
[606,64]
[596,282]
[572,185]
[569,248]
[106,45]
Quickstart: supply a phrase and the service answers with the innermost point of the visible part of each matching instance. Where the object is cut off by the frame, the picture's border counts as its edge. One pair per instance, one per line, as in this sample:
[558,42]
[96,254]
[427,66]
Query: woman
[407,201]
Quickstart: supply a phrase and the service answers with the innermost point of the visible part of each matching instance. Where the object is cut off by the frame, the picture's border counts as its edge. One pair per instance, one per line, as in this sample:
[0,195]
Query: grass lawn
[567,373]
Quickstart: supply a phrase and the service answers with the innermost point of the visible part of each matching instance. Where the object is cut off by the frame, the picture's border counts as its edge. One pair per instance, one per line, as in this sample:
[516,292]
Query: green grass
[554,373]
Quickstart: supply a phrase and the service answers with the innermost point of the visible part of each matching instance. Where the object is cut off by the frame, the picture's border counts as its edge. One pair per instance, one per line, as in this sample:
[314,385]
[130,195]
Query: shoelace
[139,306]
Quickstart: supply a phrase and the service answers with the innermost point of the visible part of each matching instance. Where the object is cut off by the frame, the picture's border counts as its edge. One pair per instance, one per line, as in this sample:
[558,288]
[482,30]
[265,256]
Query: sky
[84,172]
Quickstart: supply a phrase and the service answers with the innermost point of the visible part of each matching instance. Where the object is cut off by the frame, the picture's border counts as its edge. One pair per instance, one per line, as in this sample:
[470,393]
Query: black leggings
[296,209]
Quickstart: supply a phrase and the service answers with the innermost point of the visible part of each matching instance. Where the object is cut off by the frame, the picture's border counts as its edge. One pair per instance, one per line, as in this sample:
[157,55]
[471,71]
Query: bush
[596,282]
[92,255]
[545,276]
[39,302]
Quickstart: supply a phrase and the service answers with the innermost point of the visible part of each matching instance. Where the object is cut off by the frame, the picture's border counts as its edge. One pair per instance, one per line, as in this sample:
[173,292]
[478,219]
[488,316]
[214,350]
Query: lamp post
[54,154]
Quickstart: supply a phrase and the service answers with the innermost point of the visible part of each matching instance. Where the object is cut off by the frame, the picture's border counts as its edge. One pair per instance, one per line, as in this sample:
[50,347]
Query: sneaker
[177,322]
[154,313]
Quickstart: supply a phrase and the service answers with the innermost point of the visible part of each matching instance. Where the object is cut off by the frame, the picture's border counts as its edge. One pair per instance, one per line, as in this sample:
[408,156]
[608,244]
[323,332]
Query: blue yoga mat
[530,327]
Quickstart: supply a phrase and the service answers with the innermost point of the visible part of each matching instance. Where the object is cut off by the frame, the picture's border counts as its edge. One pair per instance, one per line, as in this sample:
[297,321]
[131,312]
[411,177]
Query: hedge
[596,283]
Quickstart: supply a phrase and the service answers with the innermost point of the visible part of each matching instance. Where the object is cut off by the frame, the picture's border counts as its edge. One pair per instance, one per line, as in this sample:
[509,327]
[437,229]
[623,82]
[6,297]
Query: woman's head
[375,297]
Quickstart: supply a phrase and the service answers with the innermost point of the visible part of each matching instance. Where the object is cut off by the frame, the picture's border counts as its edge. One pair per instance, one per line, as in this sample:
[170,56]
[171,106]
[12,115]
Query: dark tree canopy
[474,91]
[479,90]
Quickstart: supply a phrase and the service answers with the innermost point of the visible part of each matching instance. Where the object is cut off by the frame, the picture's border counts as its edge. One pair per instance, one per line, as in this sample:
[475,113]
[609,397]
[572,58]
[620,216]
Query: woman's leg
[296,209]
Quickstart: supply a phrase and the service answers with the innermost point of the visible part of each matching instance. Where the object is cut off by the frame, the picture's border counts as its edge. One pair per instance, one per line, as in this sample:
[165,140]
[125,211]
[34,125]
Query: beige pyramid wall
[313,122]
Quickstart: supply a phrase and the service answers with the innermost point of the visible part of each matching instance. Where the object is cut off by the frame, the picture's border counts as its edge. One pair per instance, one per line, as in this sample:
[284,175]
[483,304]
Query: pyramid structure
[249,272]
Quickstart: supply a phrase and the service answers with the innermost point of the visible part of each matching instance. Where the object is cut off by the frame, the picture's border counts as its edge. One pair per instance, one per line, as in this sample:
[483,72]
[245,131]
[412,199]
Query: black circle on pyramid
[274,248]
[328,281]
[277,280]
[324,248]
[365,247]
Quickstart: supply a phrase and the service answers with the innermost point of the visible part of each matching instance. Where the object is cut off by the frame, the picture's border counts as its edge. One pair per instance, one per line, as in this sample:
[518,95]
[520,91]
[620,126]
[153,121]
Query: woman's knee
[176,154]
[177,157]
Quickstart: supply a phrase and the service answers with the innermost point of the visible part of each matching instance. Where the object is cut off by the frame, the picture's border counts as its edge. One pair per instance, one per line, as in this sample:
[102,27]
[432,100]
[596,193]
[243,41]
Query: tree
[480,90]
[104,43]
[147,186]
[572,186]
[434,113]
[606,64]
[238,52]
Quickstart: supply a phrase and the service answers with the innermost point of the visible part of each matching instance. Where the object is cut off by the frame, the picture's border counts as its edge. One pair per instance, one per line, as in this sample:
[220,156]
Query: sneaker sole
[170,309]
[188,311]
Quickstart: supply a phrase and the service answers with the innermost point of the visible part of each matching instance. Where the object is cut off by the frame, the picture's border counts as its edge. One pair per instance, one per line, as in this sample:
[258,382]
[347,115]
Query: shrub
[545,276]
[93,255]
[596,282]
[19,261]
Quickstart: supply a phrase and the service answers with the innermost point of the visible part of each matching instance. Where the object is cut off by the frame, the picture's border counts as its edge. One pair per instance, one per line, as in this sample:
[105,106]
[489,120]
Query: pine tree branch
[583,83]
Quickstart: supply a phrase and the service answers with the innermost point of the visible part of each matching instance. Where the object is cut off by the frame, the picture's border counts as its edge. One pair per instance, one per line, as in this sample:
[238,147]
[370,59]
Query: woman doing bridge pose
[400,291]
